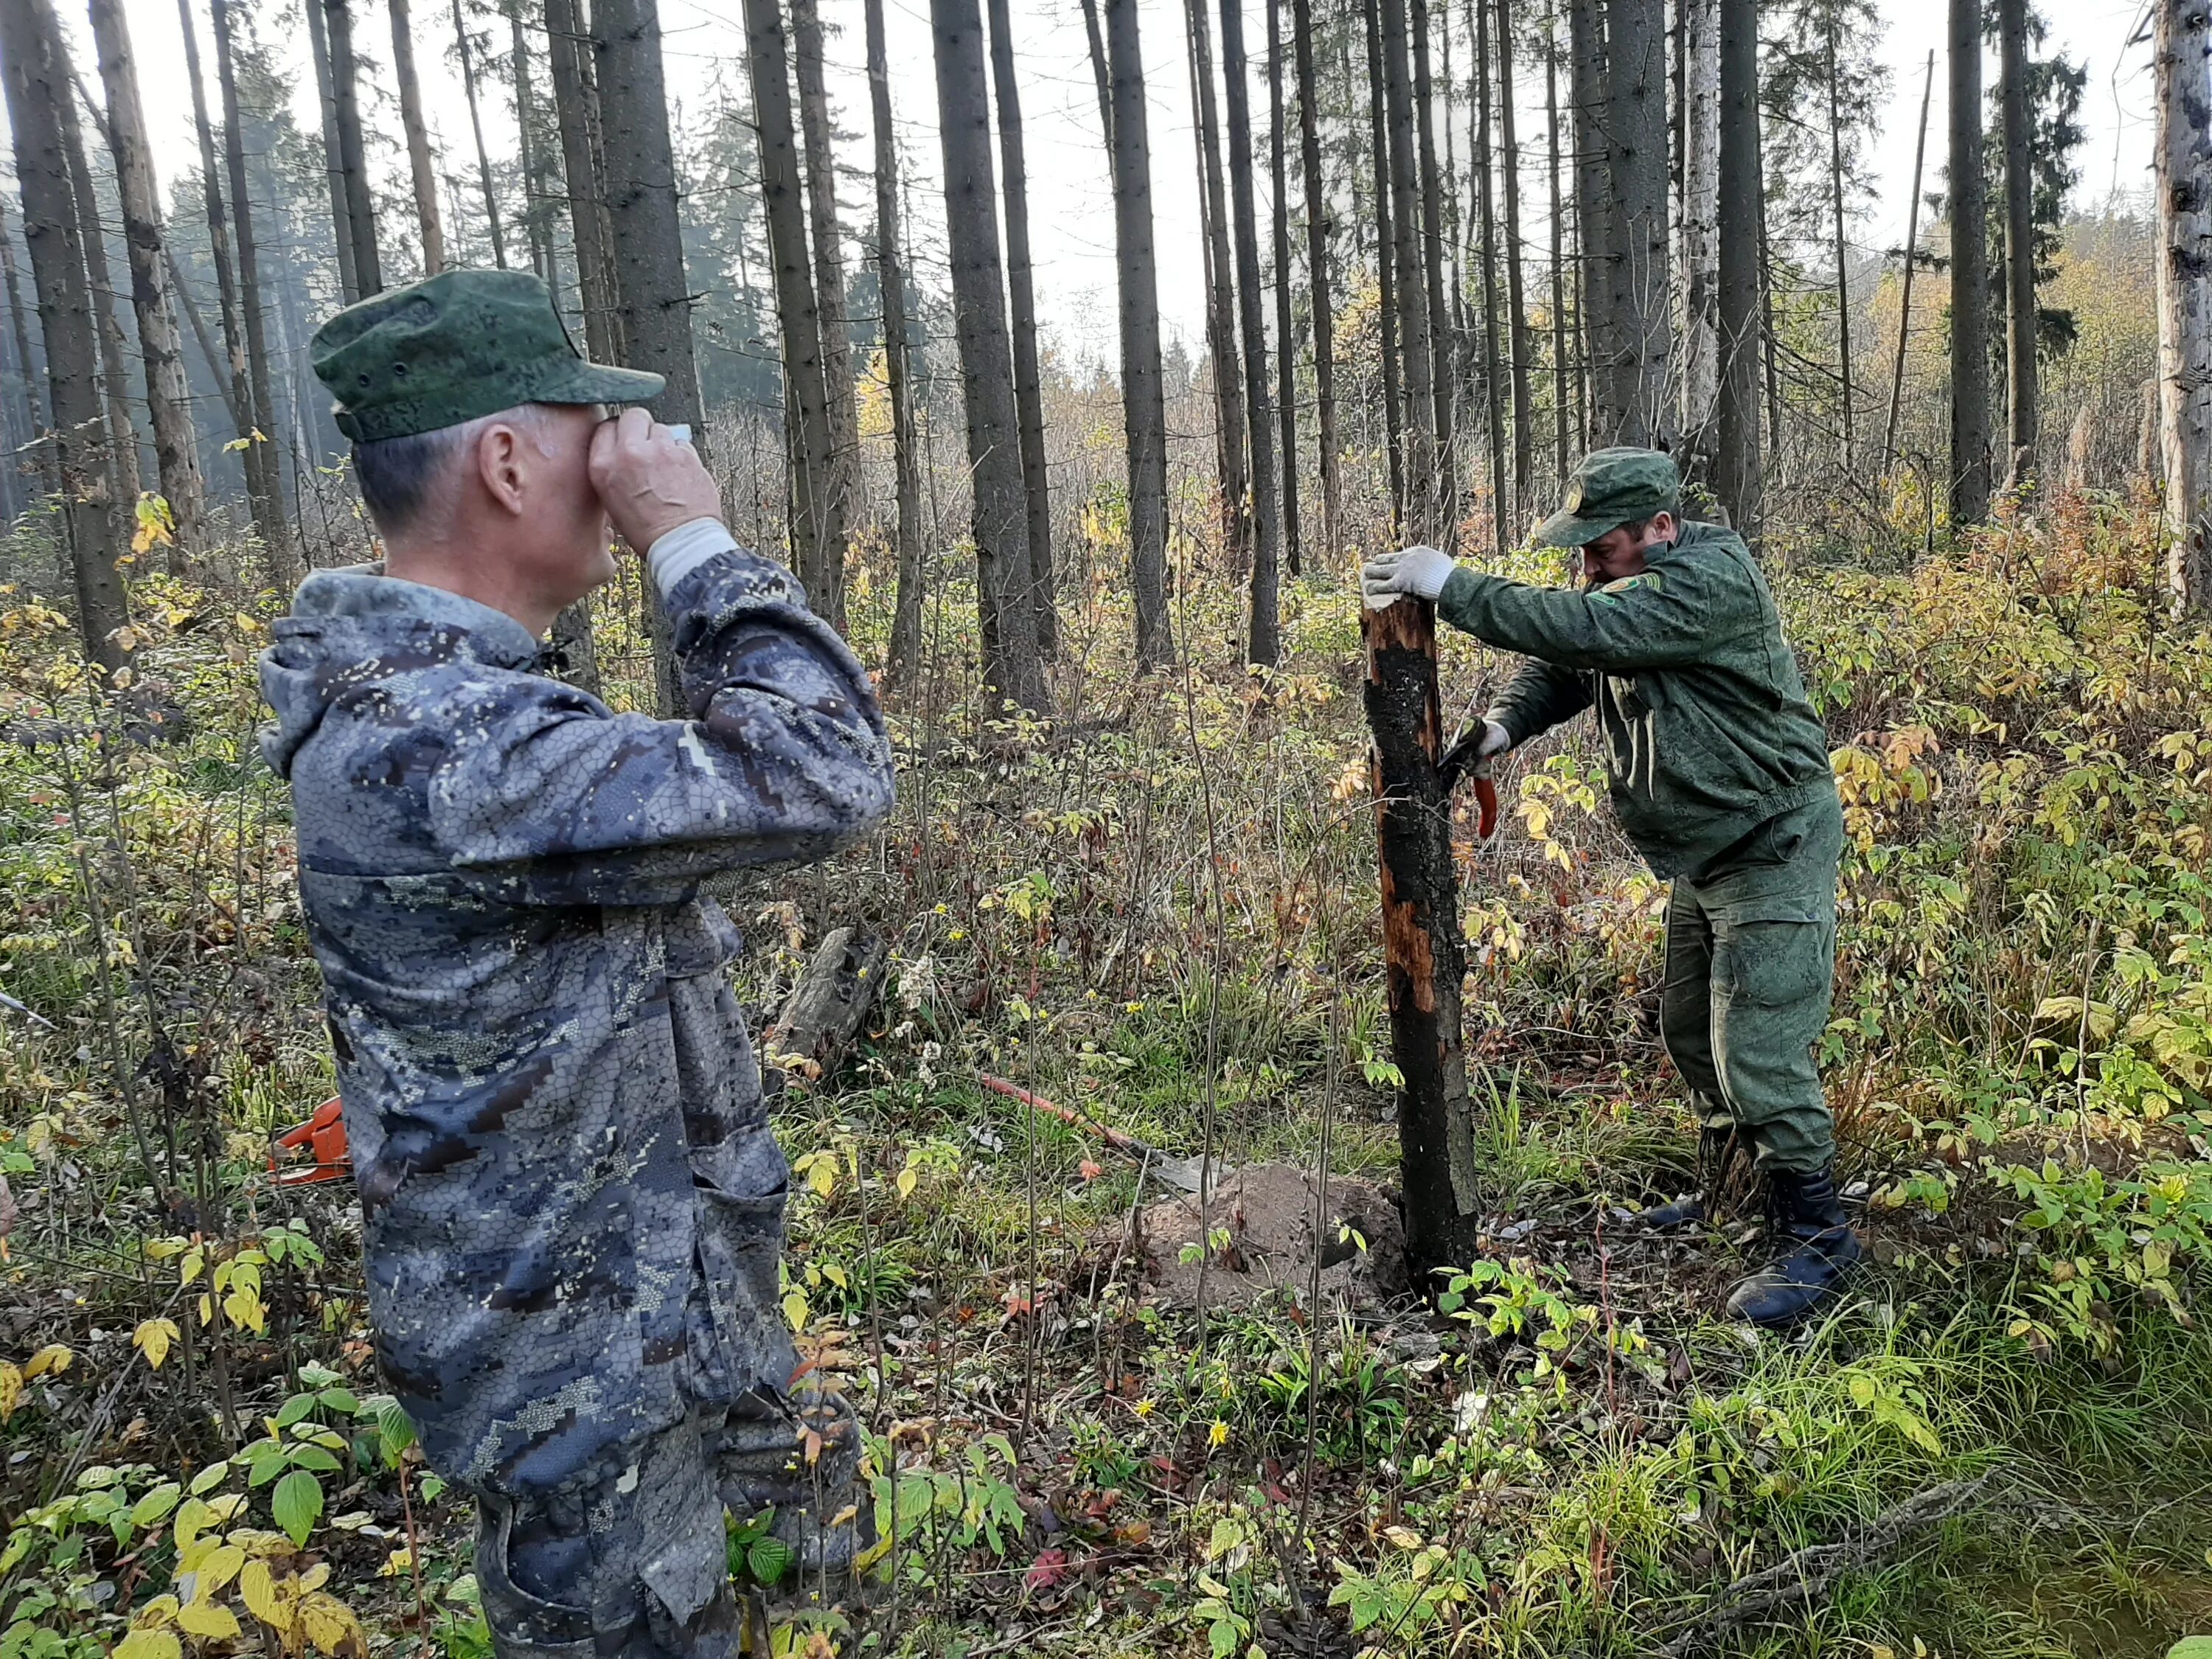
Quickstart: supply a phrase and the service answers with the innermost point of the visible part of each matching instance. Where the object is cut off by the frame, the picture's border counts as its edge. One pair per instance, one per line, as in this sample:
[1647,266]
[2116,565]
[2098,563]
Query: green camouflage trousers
[1751,961]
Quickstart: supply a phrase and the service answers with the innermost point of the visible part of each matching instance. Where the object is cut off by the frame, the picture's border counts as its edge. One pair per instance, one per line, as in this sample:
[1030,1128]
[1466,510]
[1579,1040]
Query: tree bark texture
[1142,396]
[1517,298]
[1421,948]
[1561,398]
[2021,397]
[904,657]
[168,396]
[1443,375]
[1287,334]
[576,112]
[319,57]
[1263,642]
[345,101]
[418,139]
[1486,207]
[1843,254]
[1317,285]
[1386,242]
[1597,232]
[115,379]
[1636,68]
[2181,37]
[33,427]
[1013,669]
[1737,475]
[466,49]
[36,64]
[1970,274]
[1416,368]
[1221,302]
[532,155]
[838,470]
[1021,295]
[1700,252]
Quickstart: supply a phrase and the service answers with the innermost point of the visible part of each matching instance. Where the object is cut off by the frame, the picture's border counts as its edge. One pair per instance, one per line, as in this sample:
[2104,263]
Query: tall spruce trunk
[1013,669]
[1318,304]
[575,112]
[1636,68]
[1263,641]
[652,297]
[1444,395]
[114,377]
[1562,401]
[418,139]
[33,426]
[1221,302]
[1700,254]
[812,443]
[34,56]
[1021,295]
[1416,367]
[2180,41]
[1386,243]
[533,156]
[1516,297]
[1486,204]
[1737,477]
[1596,232]
[1843,268]
[1970,274]
[903,658]
[168,396]
[1287,334]
[1143,394]
[345,110]
[467,51]
[334,175]
[2019,244]
[269,512]
[838,472]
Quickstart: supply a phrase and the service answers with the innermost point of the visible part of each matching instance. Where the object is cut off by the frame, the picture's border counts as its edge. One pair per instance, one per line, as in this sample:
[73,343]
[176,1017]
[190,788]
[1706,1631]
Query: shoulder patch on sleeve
[1642,578]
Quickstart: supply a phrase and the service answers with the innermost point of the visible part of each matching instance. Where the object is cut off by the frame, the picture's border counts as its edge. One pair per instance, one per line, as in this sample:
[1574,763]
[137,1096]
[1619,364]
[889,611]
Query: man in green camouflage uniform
[1720,777]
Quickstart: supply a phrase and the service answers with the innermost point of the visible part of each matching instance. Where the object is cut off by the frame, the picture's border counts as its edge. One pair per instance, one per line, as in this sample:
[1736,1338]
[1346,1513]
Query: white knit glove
[1411,572]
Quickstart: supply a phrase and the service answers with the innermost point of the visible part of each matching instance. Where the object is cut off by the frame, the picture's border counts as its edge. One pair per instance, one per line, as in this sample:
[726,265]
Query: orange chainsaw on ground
[324,1137]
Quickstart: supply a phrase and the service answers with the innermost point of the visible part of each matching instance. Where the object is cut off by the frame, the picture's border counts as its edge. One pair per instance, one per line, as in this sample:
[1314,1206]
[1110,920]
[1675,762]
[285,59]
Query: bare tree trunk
[1843,268]
[467,51]
[318,56]
[1595,214]
[345,110]
[2181,38]
[1422,463]
[1318,284]
[1444,395]
[1236,505]
[533,156]
[1701,187]
[837,471]
[651,298]
[34,417]
[217,362]
[1737,475]
[1263,641]
[1028,387]
[1143,400]
[1492,376]
[418,139]
[904,658]
[2019,243]
[1101,76]
[1386,243]
[1287,334]
[36,62]
[1516,299]
[1636,64]
[575,109]
[1970,279]
[269,512]
[1911,259]
[168,396]
[115,379]
[1013,669]
[812,445]
[1561,401]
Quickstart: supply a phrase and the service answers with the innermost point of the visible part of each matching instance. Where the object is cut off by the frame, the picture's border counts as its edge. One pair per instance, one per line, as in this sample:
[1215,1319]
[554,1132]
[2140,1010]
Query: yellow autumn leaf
[54,1357]
[399,1561]
[11,1389]
[152,1338]
[218,1569]
[314,1579]
[330,1623]
[149,1645]
[161,1610]
[257,1587]
[209,1619]
[795,1308]
[1404,1537]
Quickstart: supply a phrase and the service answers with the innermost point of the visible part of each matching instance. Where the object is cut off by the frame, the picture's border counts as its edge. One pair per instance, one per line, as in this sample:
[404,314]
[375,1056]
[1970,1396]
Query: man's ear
[502,465]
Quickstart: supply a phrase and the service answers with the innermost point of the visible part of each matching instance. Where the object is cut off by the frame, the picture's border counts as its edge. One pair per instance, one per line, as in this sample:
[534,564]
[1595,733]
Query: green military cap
[462,344]
[1611,488]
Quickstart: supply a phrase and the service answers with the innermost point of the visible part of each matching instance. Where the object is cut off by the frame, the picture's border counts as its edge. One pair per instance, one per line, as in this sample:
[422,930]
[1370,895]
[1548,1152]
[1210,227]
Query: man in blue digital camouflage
[573,1205]
[1719,775]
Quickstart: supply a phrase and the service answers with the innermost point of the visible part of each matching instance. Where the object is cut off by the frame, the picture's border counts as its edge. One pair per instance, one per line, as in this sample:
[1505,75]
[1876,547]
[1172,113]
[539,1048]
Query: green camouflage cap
[1611,488]
[462,344]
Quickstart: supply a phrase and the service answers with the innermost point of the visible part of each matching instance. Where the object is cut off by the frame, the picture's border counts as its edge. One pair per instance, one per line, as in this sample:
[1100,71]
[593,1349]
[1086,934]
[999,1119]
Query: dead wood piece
[1805,1575]
[826,1008]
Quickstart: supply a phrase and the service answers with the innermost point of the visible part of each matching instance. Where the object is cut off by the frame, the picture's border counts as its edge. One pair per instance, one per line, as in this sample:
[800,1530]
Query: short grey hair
[400,476]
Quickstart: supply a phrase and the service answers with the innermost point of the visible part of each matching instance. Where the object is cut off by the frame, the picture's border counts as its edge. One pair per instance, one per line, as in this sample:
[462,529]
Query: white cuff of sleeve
[680,551]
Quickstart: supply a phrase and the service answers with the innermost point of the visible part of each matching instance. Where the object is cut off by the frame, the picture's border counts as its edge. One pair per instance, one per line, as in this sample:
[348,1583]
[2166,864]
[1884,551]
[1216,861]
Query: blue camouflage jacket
[571,1202]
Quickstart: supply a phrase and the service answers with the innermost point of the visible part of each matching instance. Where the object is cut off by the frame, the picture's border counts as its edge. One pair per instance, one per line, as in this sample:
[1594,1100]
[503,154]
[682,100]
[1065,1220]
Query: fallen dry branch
[1801,1579]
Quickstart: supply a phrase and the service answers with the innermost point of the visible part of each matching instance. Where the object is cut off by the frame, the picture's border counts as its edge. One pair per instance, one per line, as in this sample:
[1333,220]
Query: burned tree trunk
[1420,934]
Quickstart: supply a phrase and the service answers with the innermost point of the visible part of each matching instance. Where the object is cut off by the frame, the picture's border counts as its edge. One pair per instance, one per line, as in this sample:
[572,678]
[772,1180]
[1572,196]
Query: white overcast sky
[1071,227]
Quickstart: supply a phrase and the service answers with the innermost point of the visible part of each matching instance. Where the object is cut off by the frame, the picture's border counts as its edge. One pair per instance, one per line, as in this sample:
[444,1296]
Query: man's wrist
[675,553]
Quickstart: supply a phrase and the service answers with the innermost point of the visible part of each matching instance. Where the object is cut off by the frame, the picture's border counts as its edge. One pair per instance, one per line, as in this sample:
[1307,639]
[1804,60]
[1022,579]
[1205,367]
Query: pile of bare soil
[1262,1220]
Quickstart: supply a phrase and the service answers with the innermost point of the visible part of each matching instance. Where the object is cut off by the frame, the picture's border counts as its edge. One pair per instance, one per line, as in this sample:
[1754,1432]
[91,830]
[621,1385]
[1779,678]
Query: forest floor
[1160,915]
